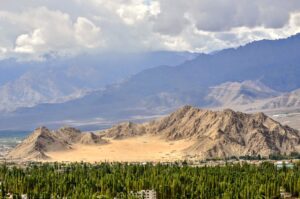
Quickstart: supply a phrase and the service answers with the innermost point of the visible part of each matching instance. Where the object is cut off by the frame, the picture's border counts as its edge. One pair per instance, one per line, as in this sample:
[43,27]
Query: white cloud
[223,15]
[137,10]
[3,52]
[42,31]
[87,33]
[32,28]
[27,43]
[132,14]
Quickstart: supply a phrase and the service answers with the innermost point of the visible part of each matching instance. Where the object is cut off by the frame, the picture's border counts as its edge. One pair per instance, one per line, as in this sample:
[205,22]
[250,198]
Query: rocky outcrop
[124,130]
[90,139]
[42,140]
[218,133]
[213,134]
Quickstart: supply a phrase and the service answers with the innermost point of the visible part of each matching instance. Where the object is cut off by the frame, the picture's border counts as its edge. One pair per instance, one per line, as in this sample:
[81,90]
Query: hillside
[218,133]
[57,80]
[235,94]
[275,102]
[186,133]
[42,141]
[287,100]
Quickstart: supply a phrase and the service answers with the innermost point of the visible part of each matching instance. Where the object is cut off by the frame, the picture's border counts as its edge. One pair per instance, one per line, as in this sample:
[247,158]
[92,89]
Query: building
[286,164]
[146,194]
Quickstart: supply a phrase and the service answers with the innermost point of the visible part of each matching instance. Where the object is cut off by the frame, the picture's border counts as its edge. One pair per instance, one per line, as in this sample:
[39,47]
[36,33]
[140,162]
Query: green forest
[105,180]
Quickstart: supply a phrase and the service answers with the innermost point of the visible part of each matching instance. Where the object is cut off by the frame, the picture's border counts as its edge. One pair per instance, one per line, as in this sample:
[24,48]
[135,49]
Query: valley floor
[145,148]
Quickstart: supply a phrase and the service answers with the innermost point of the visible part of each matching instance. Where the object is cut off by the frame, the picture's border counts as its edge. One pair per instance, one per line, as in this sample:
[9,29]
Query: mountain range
[258,76]
[56,80]
[207,134]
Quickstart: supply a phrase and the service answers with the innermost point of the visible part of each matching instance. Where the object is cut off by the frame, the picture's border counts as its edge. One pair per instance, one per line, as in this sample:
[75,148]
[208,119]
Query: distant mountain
[287,100]
[25,84]
[235,94]
[211,134]
[34,88]
[275,101]
[10,70]
[200,81]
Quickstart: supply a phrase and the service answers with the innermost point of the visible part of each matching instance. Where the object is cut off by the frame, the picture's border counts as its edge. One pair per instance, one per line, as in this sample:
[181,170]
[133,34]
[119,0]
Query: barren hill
[217,133]
[42,141]
[188,132]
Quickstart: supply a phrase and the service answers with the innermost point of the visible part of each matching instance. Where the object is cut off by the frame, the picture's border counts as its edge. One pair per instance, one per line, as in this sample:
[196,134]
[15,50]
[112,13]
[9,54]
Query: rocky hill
[212,134]
[217,133]
[42,140]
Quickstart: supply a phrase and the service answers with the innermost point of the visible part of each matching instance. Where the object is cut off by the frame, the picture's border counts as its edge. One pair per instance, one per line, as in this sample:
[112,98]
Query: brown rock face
[42,140]
[214,134]
[218,133]
[125,130]
[35,146]
[90,139]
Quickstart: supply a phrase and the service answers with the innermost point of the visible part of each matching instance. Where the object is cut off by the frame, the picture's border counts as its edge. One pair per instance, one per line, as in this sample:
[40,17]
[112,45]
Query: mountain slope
[59,80]
[35,88]
[288,100]
[232,94]
[161,90]
[217,133]
[42,141]
[207,134]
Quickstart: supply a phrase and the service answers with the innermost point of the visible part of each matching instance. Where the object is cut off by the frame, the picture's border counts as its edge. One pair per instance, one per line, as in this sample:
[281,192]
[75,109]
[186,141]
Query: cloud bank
[31,29]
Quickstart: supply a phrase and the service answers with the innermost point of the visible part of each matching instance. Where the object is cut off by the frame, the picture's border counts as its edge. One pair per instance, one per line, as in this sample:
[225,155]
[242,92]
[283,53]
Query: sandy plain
[138,149]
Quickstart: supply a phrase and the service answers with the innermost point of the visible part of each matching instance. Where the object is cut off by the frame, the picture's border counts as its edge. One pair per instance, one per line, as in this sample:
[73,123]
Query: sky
[31,29]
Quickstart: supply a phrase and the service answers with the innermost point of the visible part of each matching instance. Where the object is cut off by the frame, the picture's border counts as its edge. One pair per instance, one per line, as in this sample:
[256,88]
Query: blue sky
[31,28]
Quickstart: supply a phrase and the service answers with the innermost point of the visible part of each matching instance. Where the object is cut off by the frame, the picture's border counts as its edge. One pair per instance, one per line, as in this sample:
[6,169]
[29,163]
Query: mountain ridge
[219,133]
[213,134]
[57,80]
[160,90]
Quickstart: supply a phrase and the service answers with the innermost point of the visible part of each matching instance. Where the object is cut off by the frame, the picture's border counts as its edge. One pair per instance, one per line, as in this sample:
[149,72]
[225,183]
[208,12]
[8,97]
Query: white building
[146,194]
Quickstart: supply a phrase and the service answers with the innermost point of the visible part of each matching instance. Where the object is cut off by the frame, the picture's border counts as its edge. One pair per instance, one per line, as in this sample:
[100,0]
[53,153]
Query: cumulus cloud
[87,33]
[27,43]
[32,28]
[223,15]
[41,31]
